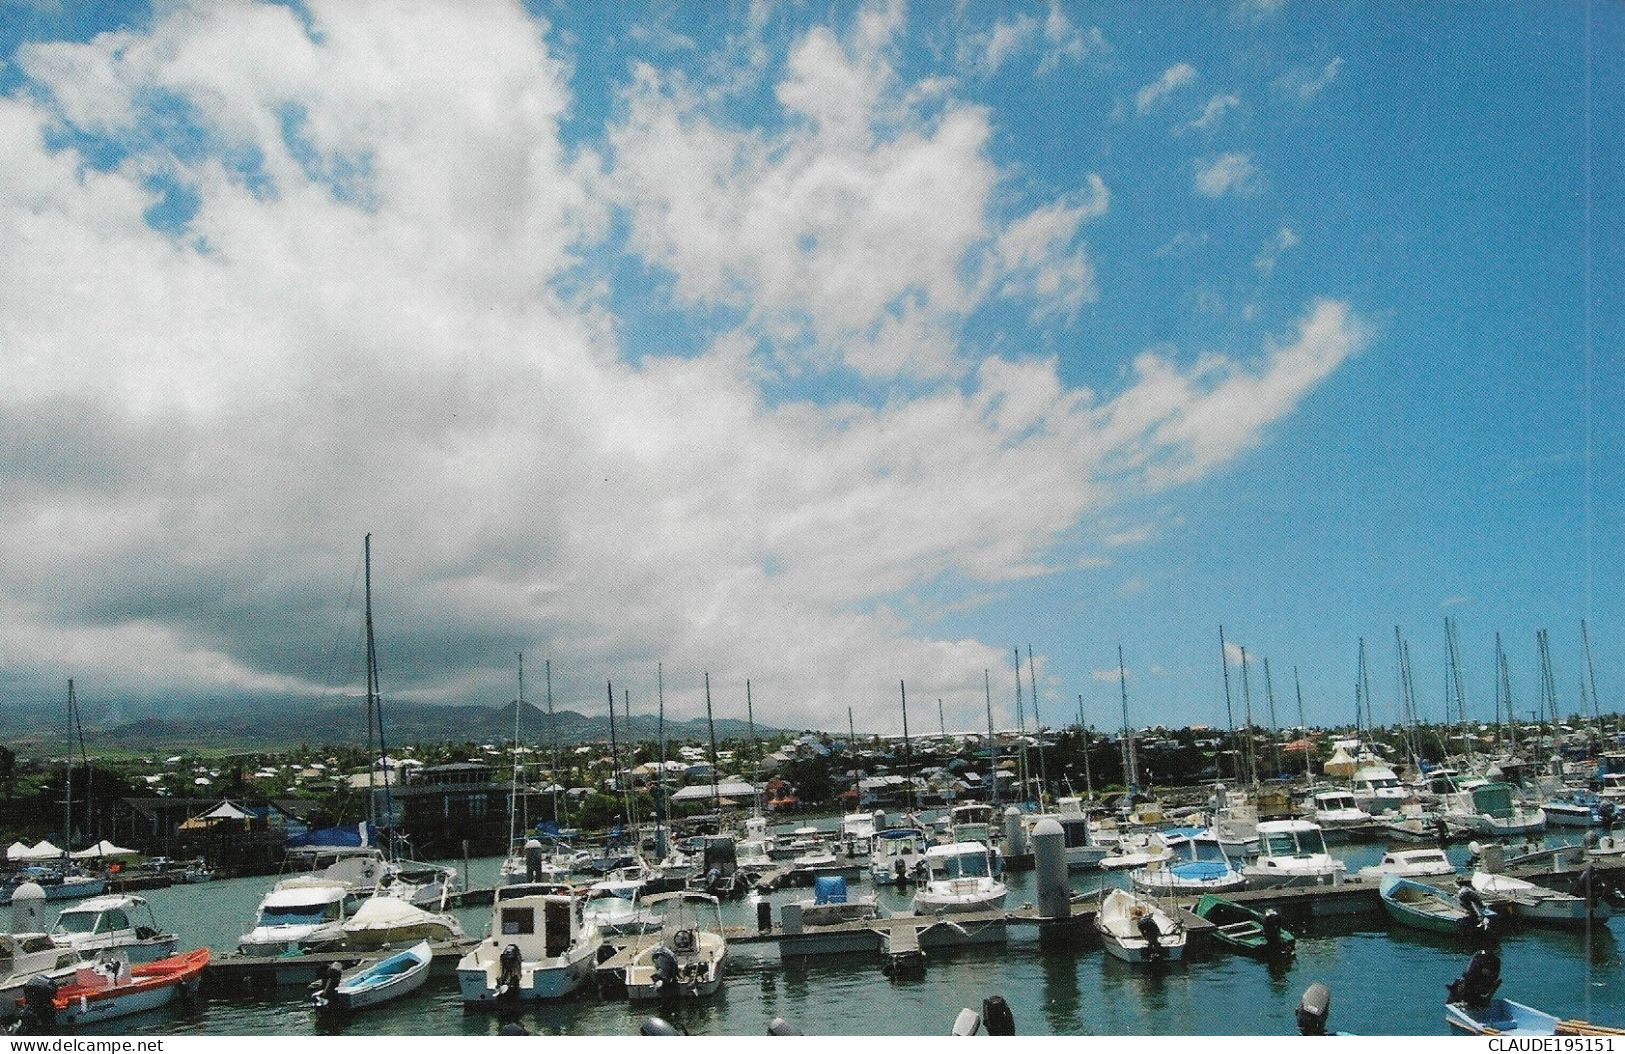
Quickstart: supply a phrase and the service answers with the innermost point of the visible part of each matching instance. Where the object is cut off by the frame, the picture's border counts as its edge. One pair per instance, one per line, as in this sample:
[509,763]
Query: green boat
[1256,934]
[1424,907]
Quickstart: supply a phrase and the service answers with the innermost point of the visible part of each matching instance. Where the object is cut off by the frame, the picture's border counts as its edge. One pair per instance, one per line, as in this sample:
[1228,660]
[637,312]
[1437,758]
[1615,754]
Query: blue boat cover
[829,889]
[338,837]
[1201,869]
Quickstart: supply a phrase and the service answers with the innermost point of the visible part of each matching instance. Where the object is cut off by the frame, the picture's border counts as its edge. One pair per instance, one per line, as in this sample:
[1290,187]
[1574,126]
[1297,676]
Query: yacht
[1192,876]
[296,910]
[540,946]
[960,880]
[1573,808]
[1377,789]
[1292,853]
[1482,807]
[114,923]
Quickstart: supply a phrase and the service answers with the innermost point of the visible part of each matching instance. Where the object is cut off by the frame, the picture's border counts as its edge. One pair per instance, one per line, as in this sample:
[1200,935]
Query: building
[441,806]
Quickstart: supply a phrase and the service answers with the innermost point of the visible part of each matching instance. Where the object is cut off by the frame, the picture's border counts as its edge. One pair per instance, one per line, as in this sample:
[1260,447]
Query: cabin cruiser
[1377,789]
[971,822]
[1138,849]
[540,946]
[1481,807]
[1292,853]
[898,854]
[114,923]
[960,879]
[58,883]
[1409,863]
[298,910]
[857,832]
[1191,876]
[1335,810]
[1572,807]
[612,906]
[754,851]
[1082,851]
[1235,822]
[686,957]
[27,955]
[1613,788]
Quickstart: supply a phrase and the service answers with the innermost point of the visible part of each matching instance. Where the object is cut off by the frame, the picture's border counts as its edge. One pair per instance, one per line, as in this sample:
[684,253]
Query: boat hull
[555,980]
[351,996]
[927,902]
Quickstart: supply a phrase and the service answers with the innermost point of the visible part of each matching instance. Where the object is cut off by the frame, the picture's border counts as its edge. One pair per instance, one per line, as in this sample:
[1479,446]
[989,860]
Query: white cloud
[1305,83]
[362,329]
[1232,173]
[1056,36]
[1216,108]
[1039,257]
[1173,78]
[1135,535]
[1130,587]
[1285,239]
[1111,676]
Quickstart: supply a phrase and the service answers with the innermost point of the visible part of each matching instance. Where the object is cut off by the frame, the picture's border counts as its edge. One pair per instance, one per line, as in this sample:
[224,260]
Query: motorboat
[857,832]
[109,989]
[1413,823]
[1184,877]
[971,822]
[1425,907]
[1481,807]
[1292,853]
[1256,934]
[1409,863]
[540,946]
[612,906]
[1535,903]
[25,955]
[1137,849]
[68,883]
[1136,929]
[1574,808]
[1376,787]
[297,910]
[372,984]
[528,862]
[113,923]
[897,854]
[686,958]
[959,879]
[833,902]
[386,920]
[1082,851]
[1336,810]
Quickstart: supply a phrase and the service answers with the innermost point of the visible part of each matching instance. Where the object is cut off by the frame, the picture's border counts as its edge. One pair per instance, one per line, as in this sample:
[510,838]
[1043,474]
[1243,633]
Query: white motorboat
[1082,851]
[374,983]
[1409,863]
[1573,807]
[612,906]
[857,832]
[386,920]
[297,910]
[1292,853]
[832,902]
[1136,930]
[1481,807]
[1192,876]
[1534,903]
[971,822]
[113,923]
[540,946]
[1335,810]
[685,959]
[528,862]
[960,879]
[1138,849]
[897,855]
[25,955]
[1376,788]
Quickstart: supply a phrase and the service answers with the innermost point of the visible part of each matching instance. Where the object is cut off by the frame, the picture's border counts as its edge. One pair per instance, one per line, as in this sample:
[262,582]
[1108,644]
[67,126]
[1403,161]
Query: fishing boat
[59,883]
[1082,851]
[1409,863]
[1292,853]
[540,946]
[1186,877]
[1423,907]
[104,991]
[1257,934]
[1481,807]
[294,911]
[960,880]
[857,832]
[971,822]
[686,958]
[832,902]
[26,955]
[115,923]
[1533,903]
[612,906]
[1414,824]
[1136,930]
[1336,810]
[196,873]
[1573,808]
[385,920]
[375,983]
[1376,788]
[1503,1017]
[897,854]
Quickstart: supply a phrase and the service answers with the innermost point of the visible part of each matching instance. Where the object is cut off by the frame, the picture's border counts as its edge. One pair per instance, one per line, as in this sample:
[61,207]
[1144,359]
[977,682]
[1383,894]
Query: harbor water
[1384,980]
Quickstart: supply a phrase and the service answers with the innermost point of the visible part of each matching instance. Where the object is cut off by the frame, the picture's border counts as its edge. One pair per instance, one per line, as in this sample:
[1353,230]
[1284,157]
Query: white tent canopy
[224,811]
[44,851]
[103,850]
[704,791]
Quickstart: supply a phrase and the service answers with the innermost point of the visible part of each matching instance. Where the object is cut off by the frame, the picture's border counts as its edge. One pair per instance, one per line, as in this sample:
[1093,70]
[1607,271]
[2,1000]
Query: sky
[826,345]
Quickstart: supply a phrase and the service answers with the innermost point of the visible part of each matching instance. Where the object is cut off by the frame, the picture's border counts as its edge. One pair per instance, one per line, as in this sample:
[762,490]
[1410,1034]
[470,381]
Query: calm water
[1384,980]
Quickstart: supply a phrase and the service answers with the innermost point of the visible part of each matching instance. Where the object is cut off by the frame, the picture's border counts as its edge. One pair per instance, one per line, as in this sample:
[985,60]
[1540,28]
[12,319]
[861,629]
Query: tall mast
[1021,732]
[1038,723]
[1130,768]
[992,739]
[631,756]
[1247,700]
[1275,738]
[1302,721]
[908,749]
[513,787]
[662,809]
[942,724]
[553,734]
[1229,709]
[1088,777]
[614,742]
[1506,693]
[67,774]
[375,697]
[1359,666]
[710,725]
[1591,673]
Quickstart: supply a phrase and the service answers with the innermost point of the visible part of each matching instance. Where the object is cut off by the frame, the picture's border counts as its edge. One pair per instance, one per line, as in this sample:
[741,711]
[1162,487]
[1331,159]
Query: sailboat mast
[662,808]
[1038,725]
[1229,708]
[1130,765]
[513,789]
[553,734]
[942,723]
[1247,701]
[1021,733]
[631,756]
[1275,738]
[1088,777]
[1591,673]
[992,740]
[614,742]
[908,748]
[711,728]
[1303,723]
[376,696]
[755,751]
[67,776]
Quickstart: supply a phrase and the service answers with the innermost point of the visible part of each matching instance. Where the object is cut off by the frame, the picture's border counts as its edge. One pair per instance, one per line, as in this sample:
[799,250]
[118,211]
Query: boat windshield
[76,922]
[971,865]
[299,915]
[612,893]
[1312,842]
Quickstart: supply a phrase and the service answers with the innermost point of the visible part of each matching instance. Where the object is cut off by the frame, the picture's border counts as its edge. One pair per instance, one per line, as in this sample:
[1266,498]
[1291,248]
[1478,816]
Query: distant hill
[266,725]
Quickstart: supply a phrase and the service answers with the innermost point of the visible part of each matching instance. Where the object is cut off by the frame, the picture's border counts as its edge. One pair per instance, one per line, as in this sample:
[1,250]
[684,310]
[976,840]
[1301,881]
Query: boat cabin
[959,860]
[540,919]
[1288,838]
[106,922]
[300,904]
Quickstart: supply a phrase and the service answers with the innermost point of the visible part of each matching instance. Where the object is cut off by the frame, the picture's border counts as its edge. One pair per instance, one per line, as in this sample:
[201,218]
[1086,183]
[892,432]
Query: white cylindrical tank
[1015,836]
[1049,861]
[28,908]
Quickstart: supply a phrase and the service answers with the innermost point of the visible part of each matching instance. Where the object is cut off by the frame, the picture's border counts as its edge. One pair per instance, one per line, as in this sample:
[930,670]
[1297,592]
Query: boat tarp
[337,837]
[829,889]
[385,913]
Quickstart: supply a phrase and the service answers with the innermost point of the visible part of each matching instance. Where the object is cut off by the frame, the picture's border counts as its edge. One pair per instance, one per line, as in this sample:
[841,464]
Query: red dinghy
[106,990]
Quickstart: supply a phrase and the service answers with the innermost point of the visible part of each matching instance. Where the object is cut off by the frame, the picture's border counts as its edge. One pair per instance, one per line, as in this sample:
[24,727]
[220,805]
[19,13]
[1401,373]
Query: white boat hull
[86,1011]
[537,981]
[928,902]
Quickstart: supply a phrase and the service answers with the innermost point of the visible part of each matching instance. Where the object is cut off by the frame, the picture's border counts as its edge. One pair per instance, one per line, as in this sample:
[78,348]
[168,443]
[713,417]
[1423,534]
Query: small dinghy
[1257,934]
[1532,903]
[111,989]
[1474,1008]
[374,983]
[1136,930]
[1424,907]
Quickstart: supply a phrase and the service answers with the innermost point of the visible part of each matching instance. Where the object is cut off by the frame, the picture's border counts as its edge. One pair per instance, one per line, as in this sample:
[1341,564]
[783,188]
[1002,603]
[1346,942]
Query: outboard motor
[659,1026]
[1606,812]
[1479,914]
[1272,929]
[39,1011]
[780,1027]
[1152,937]
[1478,982]
[513,1028]
[508,972]
[666,972]
[713,880]
[900,870]
[1313,1010]
[997,1018]
[967,1023]
[1442,831]
[325,987]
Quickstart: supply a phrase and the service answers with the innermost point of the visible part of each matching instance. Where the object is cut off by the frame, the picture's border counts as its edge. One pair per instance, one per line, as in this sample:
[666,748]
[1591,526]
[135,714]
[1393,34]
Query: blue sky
[824,345]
